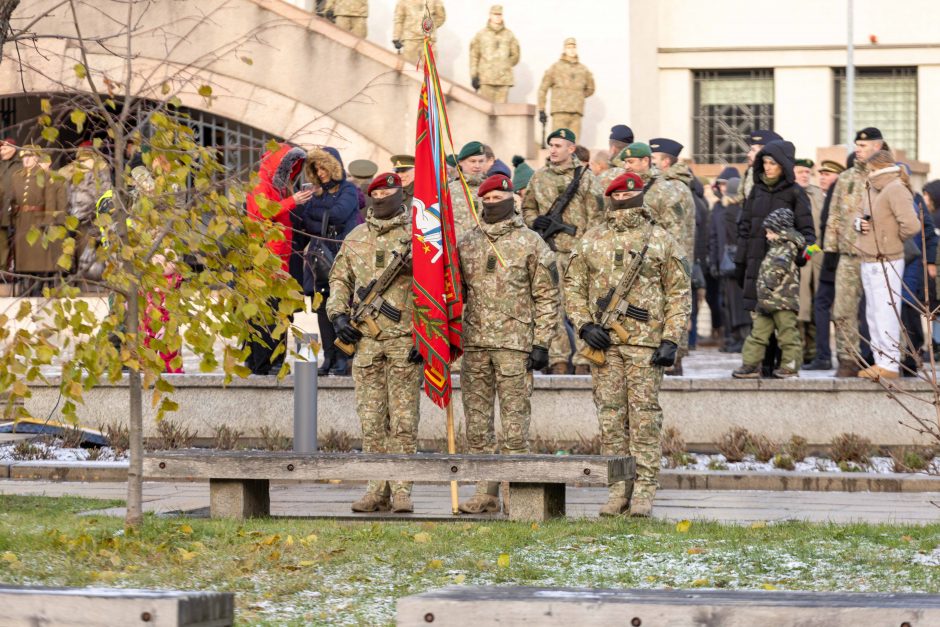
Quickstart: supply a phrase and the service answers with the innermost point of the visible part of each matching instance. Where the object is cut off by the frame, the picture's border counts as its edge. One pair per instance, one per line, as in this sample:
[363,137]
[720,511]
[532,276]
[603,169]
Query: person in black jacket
[722,243]
[702,272]
[774,187]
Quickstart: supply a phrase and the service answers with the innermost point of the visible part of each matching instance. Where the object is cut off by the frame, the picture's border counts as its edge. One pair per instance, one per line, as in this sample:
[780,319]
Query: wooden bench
[239,480]
[507,606]
[100,607]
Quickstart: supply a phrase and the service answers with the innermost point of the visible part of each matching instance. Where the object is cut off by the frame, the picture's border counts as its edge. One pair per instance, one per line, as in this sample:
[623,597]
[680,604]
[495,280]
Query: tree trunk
[6,10]
[135,421]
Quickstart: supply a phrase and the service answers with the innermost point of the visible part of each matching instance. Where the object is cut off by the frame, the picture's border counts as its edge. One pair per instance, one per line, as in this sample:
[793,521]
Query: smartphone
[306,186]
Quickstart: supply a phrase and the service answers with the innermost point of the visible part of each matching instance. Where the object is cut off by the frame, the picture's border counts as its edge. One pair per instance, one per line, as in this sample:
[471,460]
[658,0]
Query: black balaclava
[498,211]
[388,207]
[626,203]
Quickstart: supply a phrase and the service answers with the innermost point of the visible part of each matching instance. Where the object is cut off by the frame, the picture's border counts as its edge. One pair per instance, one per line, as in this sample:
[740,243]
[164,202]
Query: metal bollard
[305,397]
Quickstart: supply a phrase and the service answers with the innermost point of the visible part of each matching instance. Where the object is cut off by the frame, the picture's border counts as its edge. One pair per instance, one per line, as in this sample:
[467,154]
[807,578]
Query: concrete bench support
[103,607]
[563,607]
[536,501]
[235,498]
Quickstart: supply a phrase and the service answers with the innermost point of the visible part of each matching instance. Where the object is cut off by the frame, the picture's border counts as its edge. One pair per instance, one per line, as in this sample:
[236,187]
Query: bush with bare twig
[733,443]
[850,448]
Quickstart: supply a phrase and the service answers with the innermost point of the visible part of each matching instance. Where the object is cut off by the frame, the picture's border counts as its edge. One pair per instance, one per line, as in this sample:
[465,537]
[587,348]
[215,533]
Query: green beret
[522,175]
[637,149]
[562,133]
[451,160]
[806,163]
[471,149]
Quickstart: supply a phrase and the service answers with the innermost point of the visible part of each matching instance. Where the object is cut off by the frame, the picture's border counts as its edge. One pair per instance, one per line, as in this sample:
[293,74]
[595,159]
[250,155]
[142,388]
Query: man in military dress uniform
[9,164]
[508,322]
[404,166]
[494,51]
[626,387]
[570,83]
[386,368]
[407,29]
[546,185]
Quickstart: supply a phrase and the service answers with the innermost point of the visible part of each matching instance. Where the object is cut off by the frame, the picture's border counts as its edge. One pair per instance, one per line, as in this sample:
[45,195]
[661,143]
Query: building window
[728,106]
[885,98]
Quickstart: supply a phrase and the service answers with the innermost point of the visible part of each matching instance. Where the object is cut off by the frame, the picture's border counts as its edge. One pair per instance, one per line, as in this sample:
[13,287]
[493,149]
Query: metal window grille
[885,98]
[728,106]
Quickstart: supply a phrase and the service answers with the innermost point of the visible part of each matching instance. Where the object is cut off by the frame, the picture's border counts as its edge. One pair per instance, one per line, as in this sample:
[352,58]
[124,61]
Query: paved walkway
[433,502]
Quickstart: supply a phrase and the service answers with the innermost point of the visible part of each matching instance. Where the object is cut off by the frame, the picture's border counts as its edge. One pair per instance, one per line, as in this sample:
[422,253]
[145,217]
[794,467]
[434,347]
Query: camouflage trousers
[358,26]
[788,339]
[626,394]
[486,375]
[496,93]
[560,349]
[411,52]
[845,307]
[387,395]
[565,119]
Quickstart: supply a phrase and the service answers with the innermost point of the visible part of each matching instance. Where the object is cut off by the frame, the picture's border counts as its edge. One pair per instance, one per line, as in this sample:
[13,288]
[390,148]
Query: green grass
[288,571]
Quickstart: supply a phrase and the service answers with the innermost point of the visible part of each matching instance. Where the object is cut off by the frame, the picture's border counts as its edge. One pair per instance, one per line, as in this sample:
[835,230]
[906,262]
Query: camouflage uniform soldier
[472,162]
[841,236]
[351,15]
[570,83]
[545,186]
[386,368]
[407,32]
[621,136]
[494,51]
[668,196]
[626,387]
[778,300]
[508,324]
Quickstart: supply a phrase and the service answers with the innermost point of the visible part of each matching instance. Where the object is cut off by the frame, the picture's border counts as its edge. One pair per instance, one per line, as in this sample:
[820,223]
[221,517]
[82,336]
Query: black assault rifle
[558,208]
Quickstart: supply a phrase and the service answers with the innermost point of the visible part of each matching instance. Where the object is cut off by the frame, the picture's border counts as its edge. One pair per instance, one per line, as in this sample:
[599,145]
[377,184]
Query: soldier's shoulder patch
[684,262]
[380,259]
[491,263]
[618,257]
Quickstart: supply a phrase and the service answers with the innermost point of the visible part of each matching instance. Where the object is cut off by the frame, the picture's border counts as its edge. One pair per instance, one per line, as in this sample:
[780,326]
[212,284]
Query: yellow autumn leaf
[460,578]
[306,563]
[535,527]
[503,560]
[422,538]
[289,541]
[759,524]
[695,550]
[698,583]
[10,558]
[186,529]
[186,555]
[683,526]
[769,586]
[311,538]
[435,564]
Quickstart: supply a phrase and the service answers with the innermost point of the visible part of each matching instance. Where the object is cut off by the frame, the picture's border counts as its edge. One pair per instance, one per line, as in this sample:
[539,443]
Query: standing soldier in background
[621,136]
[351,15]
[626,386]
[521,175]
[9,165]
[570,83]
[404,167]
[494,51]
[841,238]
[407,30]
[563,178]
[809,274]
[508,322]
[472,162]
[386,368]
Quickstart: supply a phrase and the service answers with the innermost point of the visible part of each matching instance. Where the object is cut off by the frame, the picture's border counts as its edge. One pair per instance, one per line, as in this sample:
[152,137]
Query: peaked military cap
[636,149]
[730,172]
[563,133]
[762,137]
[403,162]
[497,8]
[626,182]
[362,169]
[806,163]
[621,133]
[668,146]
[470,149]
[386,180]
[869,133]
[831,166]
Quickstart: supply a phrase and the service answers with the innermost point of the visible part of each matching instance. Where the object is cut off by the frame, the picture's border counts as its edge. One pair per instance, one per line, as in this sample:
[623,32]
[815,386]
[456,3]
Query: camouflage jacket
[493,54]
[662,289]
[603,180]
[778,280]
[671,204]
[409,14]
[551,181]
[365,253]
[514,306]
[347,8]
[463,218]
[570,83]
[846,204]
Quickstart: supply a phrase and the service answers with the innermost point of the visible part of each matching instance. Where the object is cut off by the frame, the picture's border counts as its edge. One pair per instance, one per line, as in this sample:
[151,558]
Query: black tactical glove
[830,262]
[542,117]
[541,223]
[665,355]
[398,44]
[414,356]
[346,331]
[475,81]
[740,271]
[595,336]
[801,259]
[538,358]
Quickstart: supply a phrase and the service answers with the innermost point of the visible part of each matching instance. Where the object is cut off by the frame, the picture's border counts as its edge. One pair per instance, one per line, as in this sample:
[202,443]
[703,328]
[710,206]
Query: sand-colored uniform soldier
[472,163]
[9,164]
[407,30]
[386,368]
[494,51]
[351,15]
[810,273]
[570,83]
[37,201]
[841,237]
[626,386]
[547,185]
[508,322]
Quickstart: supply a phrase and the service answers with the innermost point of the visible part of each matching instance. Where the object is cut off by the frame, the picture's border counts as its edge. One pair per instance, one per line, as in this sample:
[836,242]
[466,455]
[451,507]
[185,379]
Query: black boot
[340,367]
[324,368]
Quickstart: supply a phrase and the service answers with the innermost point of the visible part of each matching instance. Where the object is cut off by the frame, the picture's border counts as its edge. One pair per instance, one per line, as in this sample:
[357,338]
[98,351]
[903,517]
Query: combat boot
[402,504]
[819,364]
[641,507]
[615,506]
[747,371]
[372,502]
[480,504]
[847,369]
[786,373]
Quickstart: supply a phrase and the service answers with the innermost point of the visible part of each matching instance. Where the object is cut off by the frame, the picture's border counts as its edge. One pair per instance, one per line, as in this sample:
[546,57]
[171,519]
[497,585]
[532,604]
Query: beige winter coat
[890,204]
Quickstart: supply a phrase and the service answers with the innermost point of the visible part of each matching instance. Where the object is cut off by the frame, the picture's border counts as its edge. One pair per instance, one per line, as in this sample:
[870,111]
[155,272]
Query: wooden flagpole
[452,448]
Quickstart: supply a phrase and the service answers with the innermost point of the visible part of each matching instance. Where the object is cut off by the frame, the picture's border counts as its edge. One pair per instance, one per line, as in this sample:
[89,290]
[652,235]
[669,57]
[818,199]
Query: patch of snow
[701,462]
[52,452]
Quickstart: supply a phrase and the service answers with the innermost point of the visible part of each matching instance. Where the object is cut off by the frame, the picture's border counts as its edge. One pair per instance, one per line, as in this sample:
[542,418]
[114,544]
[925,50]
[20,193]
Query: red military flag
[437,286]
